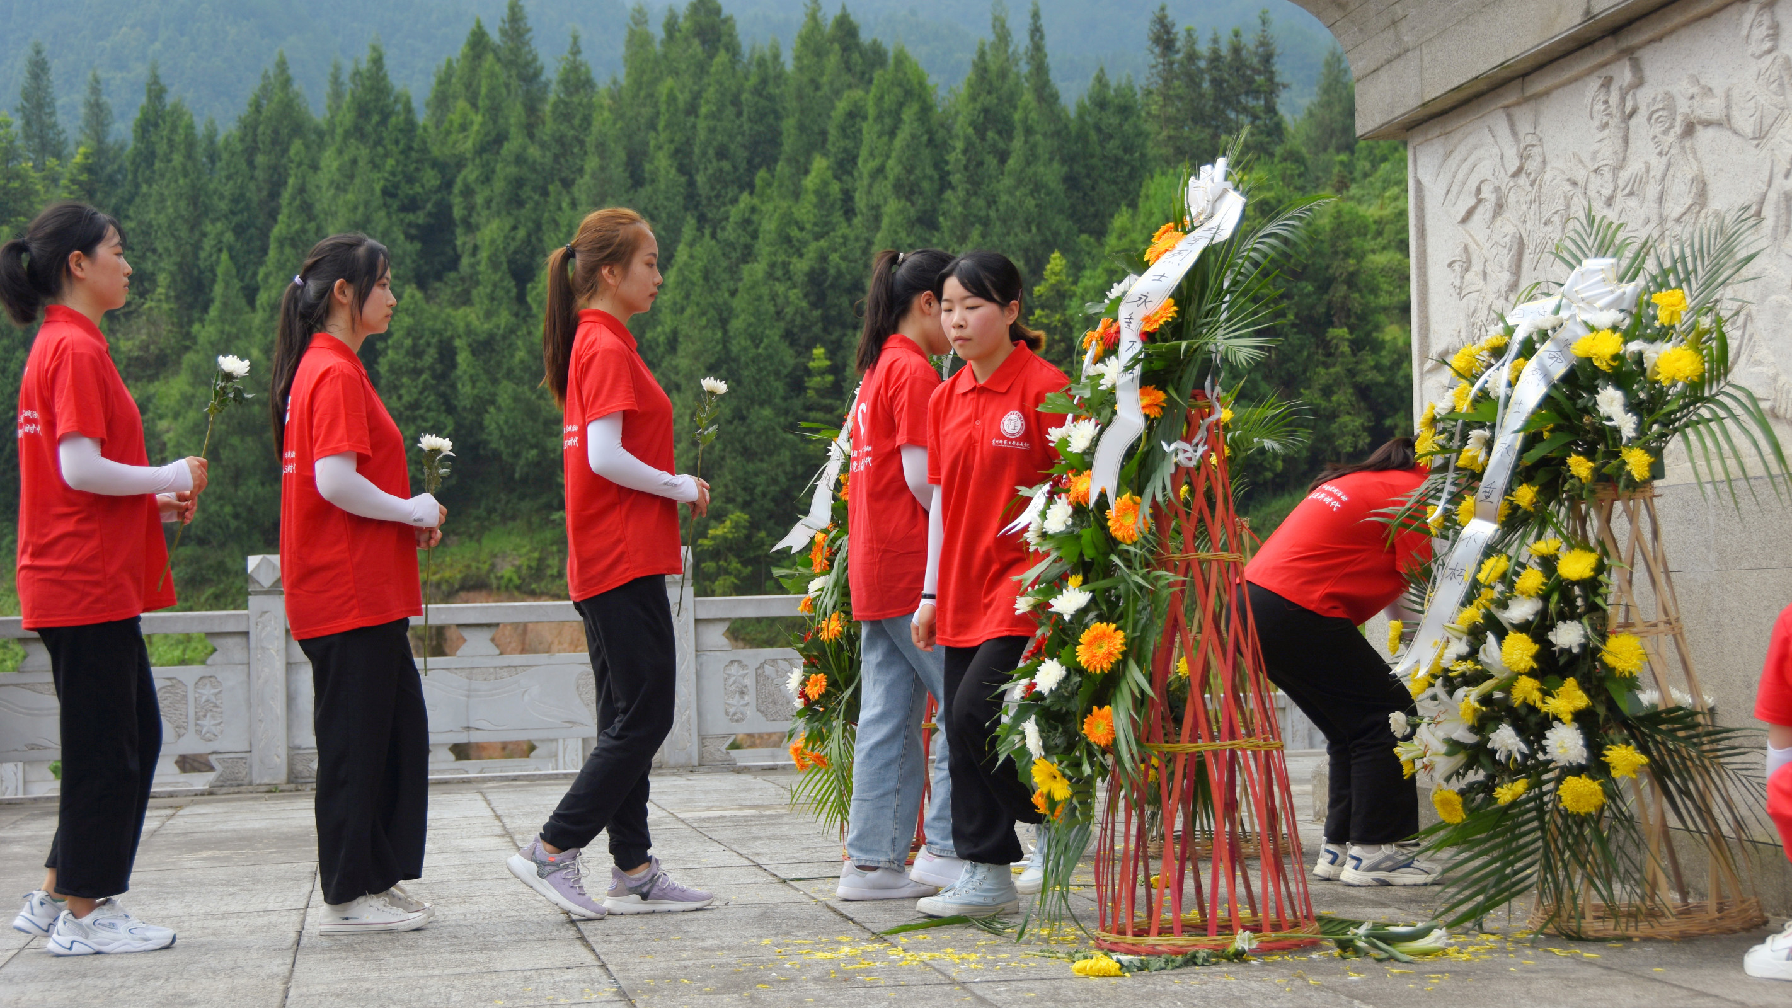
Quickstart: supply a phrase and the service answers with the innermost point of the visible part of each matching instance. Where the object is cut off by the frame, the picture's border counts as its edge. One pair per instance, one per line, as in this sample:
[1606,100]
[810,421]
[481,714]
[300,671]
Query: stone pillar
[267,672]
[681,748]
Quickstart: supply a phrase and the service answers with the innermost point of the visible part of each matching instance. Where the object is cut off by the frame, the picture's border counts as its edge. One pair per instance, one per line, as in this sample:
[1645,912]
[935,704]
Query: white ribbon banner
[821,505]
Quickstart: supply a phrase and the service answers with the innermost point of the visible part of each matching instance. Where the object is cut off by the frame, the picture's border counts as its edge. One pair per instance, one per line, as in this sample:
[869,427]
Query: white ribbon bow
[821,505]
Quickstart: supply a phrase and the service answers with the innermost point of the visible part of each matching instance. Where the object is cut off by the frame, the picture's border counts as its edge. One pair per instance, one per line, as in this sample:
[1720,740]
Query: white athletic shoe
[109,928]
[1032,876]
[38,915]
[932,869]
[984,890]
[1331,862]
[370,913]
[1772,959]
[405,901]
[879,883]
[1386,865]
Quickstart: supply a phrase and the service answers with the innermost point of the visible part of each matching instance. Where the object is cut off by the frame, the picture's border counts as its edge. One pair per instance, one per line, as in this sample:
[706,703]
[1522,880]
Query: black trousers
[1338,679]
[372,759]
[628,631]
[111,739]
[988,797]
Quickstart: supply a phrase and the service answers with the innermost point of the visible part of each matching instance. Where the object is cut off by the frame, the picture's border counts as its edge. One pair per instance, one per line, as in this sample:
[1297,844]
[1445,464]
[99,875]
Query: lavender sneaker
[653,892]
[558,878]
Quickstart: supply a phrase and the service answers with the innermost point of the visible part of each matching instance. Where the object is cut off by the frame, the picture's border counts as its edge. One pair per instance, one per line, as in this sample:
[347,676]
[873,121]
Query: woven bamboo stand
[1692,885]
[1202,841]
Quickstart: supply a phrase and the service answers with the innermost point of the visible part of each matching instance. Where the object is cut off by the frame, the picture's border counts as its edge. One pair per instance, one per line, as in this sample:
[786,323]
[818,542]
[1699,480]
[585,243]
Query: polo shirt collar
[68,316]
[608,321]
[901,342]
[1004,376]
[330,344]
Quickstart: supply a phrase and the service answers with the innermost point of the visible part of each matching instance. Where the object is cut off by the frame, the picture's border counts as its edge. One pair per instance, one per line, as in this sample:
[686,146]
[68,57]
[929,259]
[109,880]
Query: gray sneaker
[653,892]
[405,901]
[38,915]
[109,928]
[984,890]
[1387,865]
[559,879]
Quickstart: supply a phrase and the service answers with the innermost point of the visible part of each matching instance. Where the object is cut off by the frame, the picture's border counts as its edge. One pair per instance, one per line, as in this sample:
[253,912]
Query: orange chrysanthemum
[1151,401]
[845,485]
[1078,492]
[1123,519]
[1100,647]
[1103,337]
[799,755]
[818,554]
[1162,242]
[807,605]
[832,627]
[816,684]
[1158,316]
[1099,726]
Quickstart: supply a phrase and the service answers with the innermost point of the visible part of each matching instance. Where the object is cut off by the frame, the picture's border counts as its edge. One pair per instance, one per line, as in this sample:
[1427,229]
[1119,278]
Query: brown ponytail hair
[993,277]
[1397,453]
[608,237]
[305,305]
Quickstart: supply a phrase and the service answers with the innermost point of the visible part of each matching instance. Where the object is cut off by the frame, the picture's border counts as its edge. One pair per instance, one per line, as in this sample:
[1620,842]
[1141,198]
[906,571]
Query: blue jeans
[894,680]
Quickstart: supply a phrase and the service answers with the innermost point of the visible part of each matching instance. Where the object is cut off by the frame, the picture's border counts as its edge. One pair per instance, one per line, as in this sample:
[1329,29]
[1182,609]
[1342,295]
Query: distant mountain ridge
[210,55]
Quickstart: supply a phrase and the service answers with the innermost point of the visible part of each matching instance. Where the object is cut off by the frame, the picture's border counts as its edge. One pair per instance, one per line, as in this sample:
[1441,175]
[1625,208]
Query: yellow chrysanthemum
[1546,547]
[1408,768]
[1581,795]
[1448,804]
[1162,242]
[1519,652]
[1527,690]
[1602,347]
[1493,568]
[1486,597]
[1679,364]
[1099,726]
[1460,397]
[1123,519]
[1182,666]
[1468,616]
[1437,519]
[1506,794]
[1100,966]
[1465,511]
[1395,627]
[1568,700]
[1157,317]
[1427,419]
[1151,401]
[1471,459]
[1049,779]
[1578,565]
[1639,462]
[1670,305]
[1623,653]
[1467,362]
[1420,684]
[1100,647]
[1075,581]
[1516,369]
[1624,760]
[1529,583]
[1525,496]
[1581,467]
[1497,341]
[1469,711]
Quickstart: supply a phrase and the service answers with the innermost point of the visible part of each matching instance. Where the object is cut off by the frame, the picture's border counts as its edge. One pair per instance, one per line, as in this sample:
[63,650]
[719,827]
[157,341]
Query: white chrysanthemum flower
[1610,403]
[1123,286]
[1082,435]
[1649,698]
[1057,517]
[1024,603]
[1035,745]
[1520,610]
[1398,724]
[1070,600]
[1564,745]
[795,683]
[1602,318]
[1109,370]
[432,442]
[1568,636]
[714,386]
[1477,440]
[816,585]
[1050,674]
[235,367]
[1506,744]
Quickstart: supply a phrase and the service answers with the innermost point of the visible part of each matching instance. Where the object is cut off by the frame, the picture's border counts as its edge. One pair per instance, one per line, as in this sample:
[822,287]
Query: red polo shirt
[83,557]
[1331,554]
[1773,700]
[887,544]
[342,571]
[986,441]
[615,534]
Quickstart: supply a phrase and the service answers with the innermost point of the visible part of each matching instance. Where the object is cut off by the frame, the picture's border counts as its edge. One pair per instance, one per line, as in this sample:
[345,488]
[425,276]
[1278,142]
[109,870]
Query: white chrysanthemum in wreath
[1057,517]
[1050,674]
[1564,745]
[1506,744]
[1568,636]
[1035,745]
[795,683]
[1070,600]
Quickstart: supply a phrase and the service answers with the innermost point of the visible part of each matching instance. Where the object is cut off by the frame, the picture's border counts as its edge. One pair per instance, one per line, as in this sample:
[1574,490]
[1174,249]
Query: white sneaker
[932,869]
[1772,959]
[38,915]
[369,913]
[983,891]
[109,928]
[1386,865]
[1331,862]
[879,883]
[1032,876]
[405,901]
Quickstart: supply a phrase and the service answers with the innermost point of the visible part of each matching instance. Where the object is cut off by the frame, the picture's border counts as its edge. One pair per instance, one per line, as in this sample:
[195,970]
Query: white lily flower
[235,367]
[434,443]
[1057,517]
[1610,402]
[1651,351]
[714,386]
[1051,672]
[1520,610]
[1069,601]
[1564,745]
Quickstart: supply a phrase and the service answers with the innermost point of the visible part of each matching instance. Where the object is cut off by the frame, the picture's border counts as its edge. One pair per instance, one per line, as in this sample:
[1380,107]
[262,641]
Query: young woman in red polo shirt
[986,436]
[886,563]
[91,561]
[622,540]
[1328,568]
[349,535]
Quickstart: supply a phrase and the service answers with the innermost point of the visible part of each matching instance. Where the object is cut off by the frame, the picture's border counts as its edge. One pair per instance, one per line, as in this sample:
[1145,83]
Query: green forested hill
[212,53]
[771,174]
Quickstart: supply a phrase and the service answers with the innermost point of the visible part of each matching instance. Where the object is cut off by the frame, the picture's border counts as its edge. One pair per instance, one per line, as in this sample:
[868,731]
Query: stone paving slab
[236,875]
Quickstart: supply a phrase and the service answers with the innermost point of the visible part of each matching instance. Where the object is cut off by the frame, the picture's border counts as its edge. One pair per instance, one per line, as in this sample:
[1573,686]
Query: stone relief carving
[1713,105]
[171,697]
[736,691]
[208,708]
[770,697]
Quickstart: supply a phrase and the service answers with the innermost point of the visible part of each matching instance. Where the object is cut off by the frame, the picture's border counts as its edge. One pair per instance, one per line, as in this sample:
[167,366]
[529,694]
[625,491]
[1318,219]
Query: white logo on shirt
[1013,424]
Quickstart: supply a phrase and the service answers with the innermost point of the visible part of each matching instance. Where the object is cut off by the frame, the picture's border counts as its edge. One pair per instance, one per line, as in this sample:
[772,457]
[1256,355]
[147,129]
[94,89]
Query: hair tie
[900,256]
[571,252]
[297,281]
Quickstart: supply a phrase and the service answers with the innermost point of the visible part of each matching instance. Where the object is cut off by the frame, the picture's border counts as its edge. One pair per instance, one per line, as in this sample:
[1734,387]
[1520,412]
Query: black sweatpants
[628,632]
[111,739]
[372,759]
[1334,675]
[988,797]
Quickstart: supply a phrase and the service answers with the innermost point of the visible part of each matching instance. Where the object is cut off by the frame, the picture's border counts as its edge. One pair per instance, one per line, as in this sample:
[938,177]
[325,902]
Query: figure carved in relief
[1673,186]
[1610,114]
[1759,112]
[1538,196]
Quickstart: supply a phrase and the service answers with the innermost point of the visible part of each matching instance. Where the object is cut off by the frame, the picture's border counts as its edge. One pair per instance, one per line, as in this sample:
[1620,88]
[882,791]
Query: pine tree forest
[771,175]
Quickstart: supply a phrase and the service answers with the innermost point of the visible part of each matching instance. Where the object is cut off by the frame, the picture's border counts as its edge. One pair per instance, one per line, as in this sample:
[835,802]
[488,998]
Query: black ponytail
[897,279]
[993,277]
[306,304]
[32,268]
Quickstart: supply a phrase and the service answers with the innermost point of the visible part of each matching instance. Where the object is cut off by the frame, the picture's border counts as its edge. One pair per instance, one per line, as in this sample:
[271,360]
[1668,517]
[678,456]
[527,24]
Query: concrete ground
[235,875]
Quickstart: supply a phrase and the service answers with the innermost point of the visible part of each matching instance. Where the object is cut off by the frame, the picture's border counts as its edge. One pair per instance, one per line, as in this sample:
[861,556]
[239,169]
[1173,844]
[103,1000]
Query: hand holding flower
[198,467]
[700,506]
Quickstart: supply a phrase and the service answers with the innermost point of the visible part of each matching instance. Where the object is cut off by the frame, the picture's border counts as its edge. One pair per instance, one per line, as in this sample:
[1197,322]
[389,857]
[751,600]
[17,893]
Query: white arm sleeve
[339,483]
[936,535]
[1777,758]
[914,473]
[607,458]
[83,468]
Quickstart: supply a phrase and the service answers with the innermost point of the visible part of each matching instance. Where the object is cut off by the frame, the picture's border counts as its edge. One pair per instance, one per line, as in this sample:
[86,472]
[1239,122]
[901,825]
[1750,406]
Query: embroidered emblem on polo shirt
[1013,424]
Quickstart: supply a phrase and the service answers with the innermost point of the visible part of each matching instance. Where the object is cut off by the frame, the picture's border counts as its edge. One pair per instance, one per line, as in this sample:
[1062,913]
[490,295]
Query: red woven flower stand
[1200,841]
